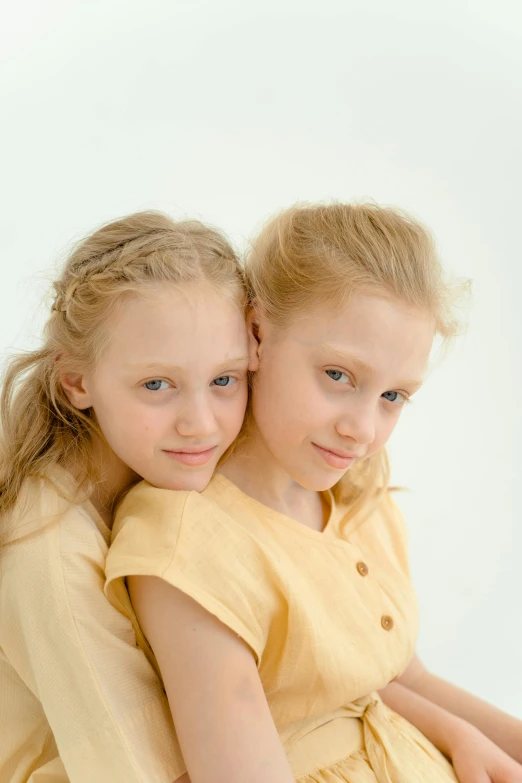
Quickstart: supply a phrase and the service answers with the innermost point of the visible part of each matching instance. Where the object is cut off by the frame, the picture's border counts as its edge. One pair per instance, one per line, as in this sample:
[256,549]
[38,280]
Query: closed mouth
[191,456]
[337,452]
[190,450]
[338,459]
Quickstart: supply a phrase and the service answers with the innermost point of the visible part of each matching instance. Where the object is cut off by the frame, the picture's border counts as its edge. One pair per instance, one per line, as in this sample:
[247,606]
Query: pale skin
[169,391]
[334,381]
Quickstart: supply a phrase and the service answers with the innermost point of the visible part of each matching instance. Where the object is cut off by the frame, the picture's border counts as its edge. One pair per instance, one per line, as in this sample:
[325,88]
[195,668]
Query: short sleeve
[192,543]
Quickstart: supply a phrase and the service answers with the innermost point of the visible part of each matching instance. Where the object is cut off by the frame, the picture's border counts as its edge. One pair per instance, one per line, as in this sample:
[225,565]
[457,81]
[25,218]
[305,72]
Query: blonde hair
[312,256]
[123,259]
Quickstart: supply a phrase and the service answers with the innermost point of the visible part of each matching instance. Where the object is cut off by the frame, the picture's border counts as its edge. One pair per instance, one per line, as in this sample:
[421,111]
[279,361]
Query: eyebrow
[160,364]
[351,358]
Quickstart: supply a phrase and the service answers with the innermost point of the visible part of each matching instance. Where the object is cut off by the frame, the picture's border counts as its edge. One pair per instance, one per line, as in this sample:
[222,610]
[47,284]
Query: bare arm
[222,719]
[438,725]
[504,730]
[473,755]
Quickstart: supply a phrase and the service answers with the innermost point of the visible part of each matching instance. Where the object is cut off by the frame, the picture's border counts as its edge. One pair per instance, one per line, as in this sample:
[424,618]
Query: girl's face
[170,390]
[330,388]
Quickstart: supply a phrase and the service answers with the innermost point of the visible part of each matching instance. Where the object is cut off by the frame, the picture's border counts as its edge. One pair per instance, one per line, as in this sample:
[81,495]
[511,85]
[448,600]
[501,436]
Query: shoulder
[166,508]
[380,512]
[43,501]
[204,544]
[146,527]
[391,517]
[152,524]
[52,561]
[178,535]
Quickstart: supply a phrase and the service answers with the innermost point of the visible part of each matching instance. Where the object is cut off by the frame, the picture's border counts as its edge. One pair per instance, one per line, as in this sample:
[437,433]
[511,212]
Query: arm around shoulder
[221,715]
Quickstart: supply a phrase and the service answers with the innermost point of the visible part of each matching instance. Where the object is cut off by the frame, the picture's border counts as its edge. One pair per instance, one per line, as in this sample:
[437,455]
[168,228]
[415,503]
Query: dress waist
[319,744]
[394,749]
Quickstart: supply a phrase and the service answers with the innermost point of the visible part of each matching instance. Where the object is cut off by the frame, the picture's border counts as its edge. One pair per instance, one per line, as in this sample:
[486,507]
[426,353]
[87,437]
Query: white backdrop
[228,111]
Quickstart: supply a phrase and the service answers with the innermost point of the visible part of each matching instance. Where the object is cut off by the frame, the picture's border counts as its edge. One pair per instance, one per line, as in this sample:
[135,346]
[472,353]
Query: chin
[197,484]
[183,483]
[318,483]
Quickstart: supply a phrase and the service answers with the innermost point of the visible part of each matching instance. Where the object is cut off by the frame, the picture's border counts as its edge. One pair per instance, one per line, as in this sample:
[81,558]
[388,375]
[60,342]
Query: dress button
[387,622]
[362,568]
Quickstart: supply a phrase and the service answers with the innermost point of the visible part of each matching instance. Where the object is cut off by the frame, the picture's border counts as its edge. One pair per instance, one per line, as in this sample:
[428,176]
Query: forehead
[386,333]
[186,320]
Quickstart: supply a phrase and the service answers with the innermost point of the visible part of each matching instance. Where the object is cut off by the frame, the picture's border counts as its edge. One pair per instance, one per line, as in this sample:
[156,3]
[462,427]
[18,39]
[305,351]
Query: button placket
[387,622]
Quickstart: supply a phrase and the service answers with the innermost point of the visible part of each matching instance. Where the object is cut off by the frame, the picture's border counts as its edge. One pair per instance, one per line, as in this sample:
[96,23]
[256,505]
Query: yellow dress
[330,616]
[79,700]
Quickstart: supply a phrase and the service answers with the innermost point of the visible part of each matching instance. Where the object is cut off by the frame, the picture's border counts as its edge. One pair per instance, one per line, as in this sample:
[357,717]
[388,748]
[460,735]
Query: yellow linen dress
[330,616]
[79,700]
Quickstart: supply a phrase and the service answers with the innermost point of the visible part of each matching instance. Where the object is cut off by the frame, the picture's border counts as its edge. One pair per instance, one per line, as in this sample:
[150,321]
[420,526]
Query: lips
[336,458]
[192,456]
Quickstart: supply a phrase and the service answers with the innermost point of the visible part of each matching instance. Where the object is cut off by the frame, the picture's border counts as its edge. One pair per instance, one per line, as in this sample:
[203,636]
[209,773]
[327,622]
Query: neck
[253,468]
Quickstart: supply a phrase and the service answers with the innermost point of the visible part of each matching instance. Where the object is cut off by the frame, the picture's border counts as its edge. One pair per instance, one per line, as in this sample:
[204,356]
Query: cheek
[128,423]
[236,411]
[286,400]
[385,428]
[228,409]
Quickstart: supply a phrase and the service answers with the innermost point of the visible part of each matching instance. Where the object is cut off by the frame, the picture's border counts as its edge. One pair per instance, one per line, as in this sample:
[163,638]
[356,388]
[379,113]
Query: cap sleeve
[193,544]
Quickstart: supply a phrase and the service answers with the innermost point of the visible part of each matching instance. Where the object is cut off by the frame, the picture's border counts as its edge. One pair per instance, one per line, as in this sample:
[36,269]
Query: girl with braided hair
[142,374]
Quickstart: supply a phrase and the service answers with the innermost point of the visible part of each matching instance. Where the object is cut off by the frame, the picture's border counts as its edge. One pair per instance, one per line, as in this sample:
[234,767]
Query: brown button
[387,622]
[362,568]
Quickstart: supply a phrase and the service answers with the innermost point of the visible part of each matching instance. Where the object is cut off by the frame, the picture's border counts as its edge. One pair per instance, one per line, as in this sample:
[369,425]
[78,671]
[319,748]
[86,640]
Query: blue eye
[156,385]
[224,380]
[393,396]
[337,375]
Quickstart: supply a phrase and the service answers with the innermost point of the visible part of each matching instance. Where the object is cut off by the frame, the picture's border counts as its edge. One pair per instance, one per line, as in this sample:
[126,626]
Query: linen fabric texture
[330,617]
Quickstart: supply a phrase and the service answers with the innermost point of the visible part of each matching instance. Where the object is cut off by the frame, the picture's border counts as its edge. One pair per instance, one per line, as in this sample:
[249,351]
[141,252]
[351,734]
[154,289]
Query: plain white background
[230,110]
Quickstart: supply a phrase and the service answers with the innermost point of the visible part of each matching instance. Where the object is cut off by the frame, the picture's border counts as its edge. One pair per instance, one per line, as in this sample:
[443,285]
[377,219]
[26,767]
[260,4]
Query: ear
[254,339]
[73,384]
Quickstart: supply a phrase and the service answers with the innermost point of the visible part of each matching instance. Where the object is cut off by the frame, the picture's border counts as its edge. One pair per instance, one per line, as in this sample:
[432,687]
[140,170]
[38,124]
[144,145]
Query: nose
[359,423]
[195,418]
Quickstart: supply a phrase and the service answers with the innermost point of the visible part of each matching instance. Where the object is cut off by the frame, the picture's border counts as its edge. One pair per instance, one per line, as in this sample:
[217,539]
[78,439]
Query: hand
[476,759]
